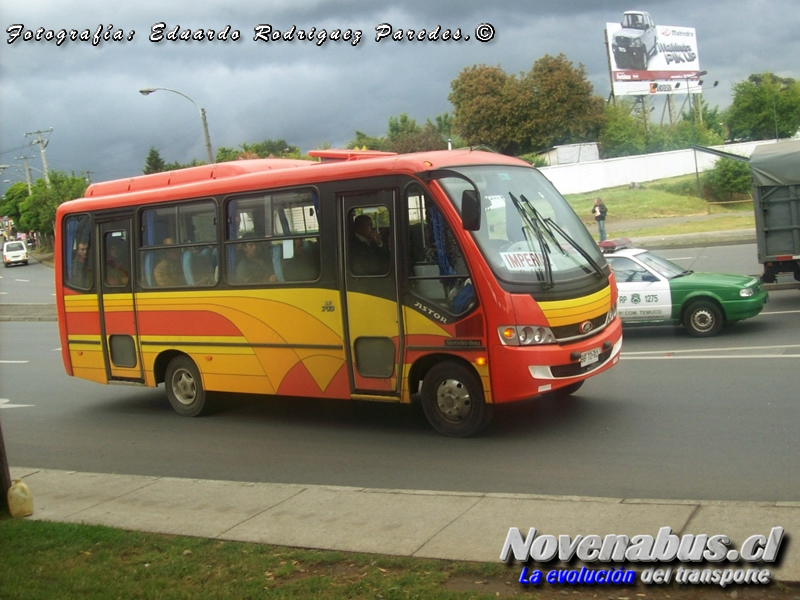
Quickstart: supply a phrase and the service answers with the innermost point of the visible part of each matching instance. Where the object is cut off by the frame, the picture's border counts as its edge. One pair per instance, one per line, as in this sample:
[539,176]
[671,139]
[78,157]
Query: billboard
[646,58]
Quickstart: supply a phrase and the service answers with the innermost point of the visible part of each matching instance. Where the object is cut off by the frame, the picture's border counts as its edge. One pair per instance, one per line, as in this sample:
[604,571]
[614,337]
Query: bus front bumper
[551,367]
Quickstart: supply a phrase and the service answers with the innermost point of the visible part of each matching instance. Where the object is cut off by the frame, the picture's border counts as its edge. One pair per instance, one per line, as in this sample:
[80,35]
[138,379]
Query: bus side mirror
[470,210]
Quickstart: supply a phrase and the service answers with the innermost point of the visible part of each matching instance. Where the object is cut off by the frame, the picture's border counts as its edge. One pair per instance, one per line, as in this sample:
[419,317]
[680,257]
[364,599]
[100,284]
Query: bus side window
[437,270]
[79,266]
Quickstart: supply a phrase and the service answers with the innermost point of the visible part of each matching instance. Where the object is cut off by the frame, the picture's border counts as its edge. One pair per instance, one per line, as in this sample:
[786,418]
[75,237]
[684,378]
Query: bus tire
[703,319]
[185,387]
[452,398]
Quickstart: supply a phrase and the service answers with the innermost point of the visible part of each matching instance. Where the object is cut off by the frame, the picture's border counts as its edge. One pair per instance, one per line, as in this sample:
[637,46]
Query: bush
[728,180]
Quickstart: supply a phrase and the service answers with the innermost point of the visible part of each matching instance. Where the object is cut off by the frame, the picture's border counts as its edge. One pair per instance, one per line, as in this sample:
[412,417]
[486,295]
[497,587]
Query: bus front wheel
[452,398]
[185,387]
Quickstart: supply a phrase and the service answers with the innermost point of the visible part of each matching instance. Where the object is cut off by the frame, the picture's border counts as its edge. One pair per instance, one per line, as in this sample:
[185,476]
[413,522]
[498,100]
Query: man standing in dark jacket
[599,211]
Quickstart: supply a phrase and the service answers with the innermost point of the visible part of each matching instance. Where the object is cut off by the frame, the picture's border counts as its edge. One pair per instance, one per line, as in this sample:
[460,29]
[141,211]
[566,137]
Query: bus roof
[245,175]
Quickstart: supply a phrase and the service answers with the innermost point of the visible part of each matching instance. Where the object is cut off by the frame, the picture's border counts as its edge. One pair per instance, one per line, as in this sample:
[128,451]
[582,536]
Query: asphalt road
[679,417]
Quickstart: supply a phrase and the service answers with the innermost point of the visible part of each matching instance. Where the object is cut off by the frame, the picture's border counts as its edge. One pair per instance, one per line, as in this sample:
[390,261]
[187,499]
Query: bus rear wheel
[185,387]
[452,398]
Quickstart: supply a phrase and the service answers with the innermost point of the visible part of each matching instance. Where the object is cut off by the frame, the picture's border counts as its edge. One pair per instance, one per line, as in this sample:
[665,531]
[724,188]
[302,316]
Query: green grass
[719,224]
[650,201]
[43,560]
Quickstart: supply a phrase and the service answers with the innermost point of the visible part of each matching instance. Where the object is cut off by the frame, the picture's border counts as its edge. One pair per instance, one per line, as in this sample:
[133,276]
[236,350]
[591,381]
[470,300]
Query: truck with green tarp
[776,200]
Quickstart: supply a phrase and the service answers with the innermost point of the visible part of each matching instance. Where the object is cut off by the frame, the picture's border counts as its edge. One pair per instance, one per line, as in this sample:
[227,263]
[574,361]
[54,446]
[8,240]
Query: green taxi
[653,289]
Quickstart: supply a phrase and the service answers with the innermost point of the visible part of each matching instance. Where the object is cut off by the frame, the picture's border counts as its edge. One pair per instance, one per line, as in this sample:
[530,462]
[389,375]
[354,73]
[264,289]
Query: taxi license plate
[590,356]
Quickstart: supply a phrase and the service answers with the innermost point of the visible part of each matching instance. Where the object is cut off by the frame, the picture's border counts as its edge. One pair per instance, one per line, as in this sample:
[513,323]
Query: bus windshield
[528,234]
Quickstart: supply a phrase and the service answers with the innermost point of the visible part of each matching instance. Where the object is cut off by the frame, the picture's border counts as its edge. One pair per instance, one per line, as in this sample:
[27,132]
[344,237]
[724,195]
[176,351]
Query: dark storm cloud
[311,94]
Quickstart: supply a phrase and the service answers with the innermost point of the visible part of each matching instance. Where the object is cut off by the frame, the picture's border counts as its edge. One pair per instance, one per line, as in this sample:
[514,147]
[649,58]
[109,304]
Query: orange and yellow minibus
[460,279]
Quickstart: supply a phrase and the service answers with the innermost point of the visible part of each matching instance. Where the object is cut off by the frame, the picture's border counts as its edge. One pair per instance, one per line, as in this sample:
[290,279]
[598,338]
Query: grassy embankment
[674,197]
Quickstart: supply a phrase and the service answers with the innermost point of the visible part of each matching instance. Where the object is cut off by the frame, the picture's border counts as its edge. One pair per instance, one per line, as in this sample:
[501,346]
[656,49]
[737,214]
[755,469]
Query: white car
[653,289]
[15,252]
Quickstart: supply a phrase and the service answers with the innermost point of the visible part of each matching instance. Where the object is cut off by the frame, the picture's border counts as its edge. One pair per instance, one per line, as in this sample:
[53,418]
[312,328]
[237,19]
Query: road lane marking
[14,362]
[6,403]
[734,348]
[23,280]
[781,312]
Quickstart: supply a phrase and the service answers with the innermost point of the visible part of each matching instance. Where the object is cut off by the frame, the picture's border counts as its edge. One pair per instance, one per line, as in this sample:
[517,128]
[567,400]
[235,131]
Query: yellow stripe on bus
[567,312]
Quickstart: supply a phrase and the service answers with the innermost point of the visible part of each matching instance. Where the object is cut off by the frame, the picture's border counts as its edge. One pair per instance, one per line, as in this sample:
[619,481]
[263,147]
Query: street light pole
[148,91]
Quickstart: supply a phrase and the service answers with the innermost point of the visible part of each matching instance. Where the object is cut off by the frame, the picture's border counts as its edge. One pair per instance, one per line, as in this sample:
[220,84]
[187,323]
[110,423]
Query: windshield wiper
[548,223]
[534,225]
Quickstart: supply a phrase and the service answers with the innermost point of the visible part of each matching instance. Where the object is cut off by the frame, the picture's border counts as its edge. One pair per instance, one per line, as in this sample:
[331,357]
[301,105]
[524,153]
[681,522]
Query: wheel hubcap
[453,400]
[184,387]
[703,320]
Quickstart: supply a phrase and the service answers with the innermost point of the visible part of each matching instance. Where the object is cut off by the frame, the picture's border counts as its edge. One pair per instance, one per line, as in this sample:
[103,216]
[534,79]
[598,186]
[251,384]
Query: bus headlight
[746,292]
[611,314]
[525,335]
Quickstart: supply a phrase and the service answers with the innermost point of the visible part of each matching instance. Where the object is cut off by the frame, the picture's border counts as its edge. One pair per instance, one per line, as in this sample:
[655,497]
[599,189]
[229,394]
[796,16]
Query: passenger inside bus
[81,273]
[252,268]
[168,271]
[116,263]
[368,254]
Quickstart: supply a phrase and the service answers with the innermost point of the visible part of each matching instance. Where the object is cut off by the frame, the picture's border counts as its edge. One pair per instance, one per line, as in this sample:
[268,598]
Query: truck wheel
[185,387]
[703,319]
[452,398]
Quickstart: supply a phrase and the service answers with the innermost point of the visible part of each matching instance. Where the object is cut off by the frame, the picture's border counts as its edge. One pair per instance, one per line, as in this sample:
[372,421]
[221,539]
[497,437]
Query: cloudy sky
[306,92]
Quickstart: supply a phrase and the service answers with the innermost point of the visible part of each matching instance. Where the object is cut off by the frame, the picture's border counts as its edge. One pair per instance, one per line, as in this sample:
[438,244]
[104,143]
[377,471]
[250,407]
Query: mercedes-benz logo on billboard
[586,327]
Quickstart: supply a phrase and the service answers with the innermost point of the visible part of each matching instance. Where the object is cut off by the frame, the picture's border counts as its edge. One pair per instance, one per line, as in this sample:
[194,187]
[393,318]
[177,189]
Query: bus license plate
[590,356]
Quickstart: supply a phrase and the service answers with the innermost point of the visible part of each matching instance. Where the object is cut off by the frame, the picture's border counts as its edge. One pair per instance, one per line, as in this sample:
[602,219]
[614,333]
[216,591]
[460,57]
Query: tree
[11,201]
[762,104]
[153,163]
[551,104]
[565,109]
[38,211]
[264,149]
[363,141]
[405,135]
[623,134]
[489,108]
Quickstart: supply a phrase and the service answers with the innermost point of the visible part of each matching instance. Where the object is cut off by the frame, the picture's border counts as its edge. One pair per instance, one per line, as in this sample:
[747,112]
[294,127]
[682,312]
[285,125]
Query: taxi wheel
[452,398]
[185,387]
[703,319]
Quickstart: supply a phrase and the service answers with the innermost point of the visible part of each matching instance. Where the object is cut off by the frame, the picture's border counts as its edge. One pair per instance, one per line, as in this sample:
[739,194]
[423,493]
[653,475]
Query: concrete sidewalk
[445,525]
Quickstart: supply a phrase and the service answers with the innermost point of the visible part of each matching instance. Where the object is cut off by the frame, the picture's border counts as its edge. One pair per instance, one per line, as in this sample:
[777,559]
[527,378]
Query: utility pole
[42,144]
[24,160]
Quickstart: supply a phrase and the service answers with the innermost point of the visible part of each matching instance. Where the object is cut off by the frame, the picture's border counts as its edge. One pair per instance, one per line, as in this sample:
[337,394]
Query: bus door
[373,325]
[117,309]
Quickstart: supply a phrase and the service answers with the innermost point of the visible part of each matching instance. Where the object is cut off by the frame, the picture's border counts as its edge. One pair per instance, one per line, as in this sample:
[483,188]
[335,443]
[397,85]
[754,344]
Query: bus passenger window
[368,251]
[168,271]
[77,245]
[304,265]
[437,270]
[117,261]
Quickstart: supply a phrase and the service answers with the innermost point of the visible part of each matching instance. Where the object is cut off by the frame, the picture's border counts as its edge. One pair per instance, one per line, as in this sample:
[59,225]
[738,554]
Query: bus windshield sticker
[495,202]
[524,261]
